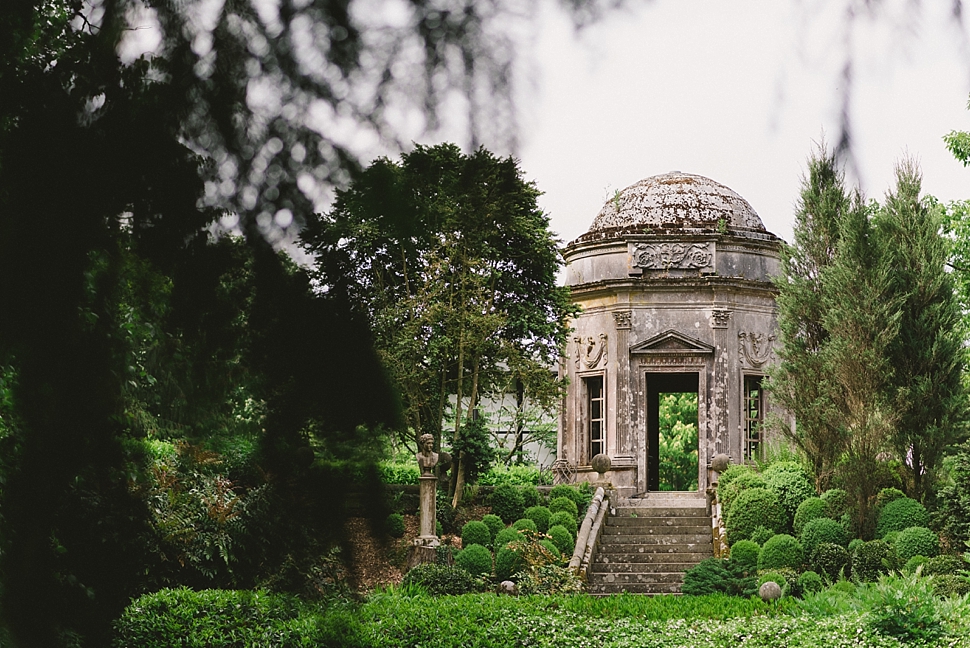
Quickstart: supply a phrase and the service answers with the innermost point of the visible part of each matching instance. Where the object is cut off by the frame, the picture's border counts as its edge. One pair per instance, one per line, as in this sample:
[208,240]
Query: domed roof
[676,200]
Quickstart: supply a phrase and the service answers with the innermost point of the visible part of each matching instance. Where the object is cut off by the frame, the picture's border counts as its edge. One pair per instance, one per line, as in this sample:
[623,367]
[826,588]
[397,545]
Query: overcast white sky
[737,91]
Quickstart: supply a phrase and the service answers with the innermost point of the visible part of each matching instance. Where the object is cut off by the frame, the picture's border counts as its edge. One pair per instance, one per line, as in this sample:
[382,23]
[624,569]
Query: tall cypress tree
[927,354]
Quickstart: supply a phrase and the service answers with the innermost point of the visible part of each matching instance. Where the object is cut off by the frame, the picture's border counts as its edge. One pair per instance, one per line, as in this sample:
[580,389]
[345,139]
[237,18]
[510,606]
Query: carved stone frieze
[674,362]
[622,319]
[666,256]
[755,348]
[719,318]
[590,351]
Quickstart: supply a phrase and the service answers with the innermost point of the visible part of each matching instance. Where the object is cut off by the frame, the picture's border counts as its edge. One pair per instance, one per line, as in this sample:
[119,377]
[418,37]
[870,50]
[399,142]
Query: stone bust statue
[426,456]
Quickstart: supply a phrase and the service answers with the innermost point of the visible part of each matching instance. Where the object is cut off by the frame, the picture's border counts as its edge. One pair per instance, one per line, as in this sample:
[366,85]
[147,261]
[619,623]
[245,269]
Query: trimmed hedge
[476,560]
[442,580]
[507,503]
[761,535]
[476,532]
[916,541]
[811,509]
[753,508]
[809,582]
[945,564]
[872,559]
[530,496]
[831,561]
[540,515]
[901,514]
[781,551]
[822,530]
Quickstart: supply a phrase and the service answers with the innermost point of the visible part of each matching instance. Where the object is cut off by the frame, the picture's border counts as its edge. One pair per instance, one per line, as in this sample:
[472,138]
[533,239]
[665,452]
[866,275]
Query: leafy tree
[678,441]
[456,267]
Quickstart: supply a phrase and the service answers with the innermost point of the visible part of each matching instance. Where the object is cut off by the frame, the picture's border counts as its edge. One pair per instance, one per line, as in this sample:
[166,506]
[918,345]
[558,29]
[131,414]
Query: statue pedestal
[424,549]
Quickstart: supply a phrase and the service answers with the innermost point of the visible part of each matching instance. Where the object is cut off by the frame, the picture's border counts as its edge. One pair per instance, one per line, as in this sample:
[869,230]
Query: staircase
[648,544]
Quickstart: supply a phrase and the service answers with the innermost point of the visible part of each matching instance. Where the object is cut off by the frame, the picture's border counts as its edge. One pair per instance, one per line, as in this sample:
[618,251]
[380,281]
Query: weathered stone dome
[676,200]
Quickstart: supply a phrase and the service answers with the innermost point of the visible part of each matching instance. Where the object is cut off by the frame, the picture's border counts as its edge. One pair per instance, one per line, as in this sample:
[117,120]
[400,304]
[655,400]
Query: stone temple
[674,281]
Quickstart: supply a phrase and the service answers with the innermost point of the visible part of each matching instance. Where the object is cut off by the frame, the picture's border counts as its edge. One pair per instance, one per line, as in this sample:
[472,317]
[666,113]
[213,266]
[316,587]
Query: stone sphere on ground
[770,591]
[720,462]
[601,464]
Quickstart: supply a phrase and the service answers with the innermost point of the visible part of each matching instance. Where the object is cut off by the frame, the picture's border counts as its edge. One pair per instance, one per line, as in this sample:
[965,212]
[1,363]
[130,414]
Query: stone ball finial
[720,462]
[770,591]
[601,464]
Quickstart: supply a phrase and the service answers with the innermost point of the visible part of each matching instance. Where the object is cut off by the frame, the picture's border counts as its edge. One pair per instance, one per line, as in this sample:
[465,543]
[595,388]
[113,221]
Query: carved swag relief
[590,351]
[664,256]
[756,348]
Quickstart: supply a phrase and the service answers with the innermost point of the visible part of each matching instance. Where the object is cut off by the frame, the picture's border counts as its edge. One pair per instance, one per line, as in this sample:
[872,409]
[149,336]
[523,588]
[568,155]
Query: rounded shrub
[476,532]
[793,488]
[891,537]
[525,524]
[872,559]
[442,580]
[916,541]
[507,503]
[789,467]
[394,525]
[745,554]
[565,519]
[731,473]
[901,514]
[506,536]
[564,504]
[810,582]
[914,563]
[944,564]
[838,501]
[810,509]
[530,496]
[709,576]
[781,551]
[947,585]
[507,564]
[476,560]
[822,530]
[831,561]
[494,524]
[854,545]
[728,493]
[540,515]
[887,495]
[563,539]
[775,576]
[562,490]
[761,535]
[753,508]
[551,548]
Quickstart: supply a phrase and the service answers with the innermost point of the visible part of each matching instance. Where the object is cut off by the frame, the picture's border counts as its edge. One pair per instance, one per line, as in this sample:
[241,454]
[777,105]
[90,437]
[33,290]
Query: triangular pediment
[674,343]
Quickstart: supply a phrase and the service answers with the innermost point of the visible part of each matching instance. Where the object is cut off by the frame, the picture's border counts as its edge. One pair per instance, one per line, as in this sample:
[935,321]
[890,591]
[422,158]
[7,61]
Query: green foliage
[551,547]
[792,487]
[887,495]
[476,532]
[565,520]
[581,494]
[540,515]
[742,481]
[513,475]
[525,524]
[810,509]
[780,551]
[564,504]
[904,607]
[716,575]
[394,525]
[531,496]
[854,544]
[952,515]
[507,503]
[182,617]
[445,513]
[745,552]
[754,507]
[678,442]
[399,473]
[914,563]
[563,539]
[505,536]
[958,143]
[542,571]
[732,472]
[476,560]
[901,514]
[916,541]
[442,580]
[943,564]
[507,564]
[810,582]
[872,559]
[761,535]
[822,530]
[494,524]
[831,561]
[474,444]
[891,537]
[950,585]
[775,576]
[784,466]
[838,501]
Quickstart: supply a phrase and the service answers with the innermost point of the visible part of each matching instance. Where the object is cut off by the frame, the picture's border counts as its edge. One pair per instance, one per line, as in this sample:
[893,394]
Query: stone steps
[646,548]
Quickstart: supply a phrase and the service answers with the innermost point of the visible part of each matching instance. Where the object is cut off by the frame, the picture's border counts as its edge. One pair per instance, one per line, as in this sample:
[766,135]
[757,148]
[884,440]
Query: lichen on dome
[676,200]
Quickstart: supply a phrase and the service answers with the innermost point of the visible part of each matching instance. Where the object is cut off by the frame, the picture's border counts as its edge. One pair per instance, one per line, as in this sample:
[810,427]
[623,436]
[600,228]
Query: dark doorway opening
[672,456]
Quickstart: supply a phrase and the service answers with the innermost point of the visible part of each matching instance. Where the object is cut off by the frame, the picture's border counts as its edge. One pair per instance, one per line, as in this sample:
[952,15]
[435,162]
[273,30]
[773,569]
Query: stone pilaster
[625,452]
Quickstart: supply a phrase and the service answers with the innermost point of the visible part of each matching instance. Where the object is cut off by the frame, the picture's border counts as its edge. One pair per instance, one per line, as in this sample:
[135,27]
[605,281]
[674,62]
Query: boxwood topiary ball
[916,541]
[781,551]
[540,515]
[729,492]
[810,509]
[507,564]
[476,532]
[395,525]
[476,560]
[945,564]
[793,488]
[761,535]
[753,508]
[830,560]
[494,524]
[564,504]
[564,519]
[507,502]
[872,559]
[822,530]
[552,548]
[745,553]
[810,582]
[563,539]
[838,500]
[901,514]
[505,536]
[530,496]
[525,524]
